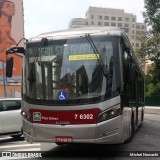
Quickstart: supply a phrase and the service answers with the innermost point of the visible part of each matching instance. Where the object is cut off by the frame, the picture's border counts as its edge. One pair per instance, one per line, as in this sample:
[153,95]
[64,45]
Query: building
[96,16]
[11,33]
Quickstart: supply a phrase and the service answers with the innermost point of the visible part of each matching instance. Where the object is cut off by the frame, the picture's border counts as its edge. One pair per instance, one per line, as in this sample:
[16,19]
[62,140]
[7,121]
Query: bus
[80,85]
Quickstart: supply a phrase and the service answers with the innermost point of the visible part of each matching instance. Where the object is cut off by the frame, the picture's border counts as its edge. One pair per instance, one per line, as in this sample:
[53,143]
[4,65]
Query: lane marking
[5,138]
[29,149]
[20,145]
[147,121]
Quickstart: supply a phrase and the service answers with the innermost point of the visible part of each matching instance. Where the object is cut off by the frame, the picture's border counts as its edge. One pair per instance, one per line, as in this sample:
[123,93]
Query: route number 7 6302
[83,116]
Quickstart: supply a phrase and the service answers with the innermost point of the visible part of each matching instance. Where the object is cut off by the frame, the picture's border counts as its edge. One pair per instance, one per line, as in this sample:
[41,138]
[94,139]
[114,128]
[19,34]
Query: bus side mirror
[9,67]
[9,61]
[13,50]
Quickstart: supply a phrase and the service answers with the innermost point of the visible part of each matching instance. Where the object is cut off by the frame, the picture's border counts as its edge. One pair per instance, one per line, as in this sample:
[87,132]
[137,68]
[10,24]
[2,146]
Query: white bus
[81,85]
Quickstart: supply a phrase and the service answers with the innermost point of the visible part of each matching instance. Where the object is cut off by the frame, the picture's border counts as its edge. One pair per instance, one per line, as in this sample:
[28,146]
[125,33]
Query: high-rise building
[96,16]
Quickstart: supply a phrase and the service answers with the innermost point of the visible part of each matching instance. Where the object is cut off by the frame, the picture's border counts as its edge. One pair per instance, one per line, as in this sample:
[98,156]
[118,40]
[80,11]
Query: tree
[152,88]
[152,14]
[149,50]
[150,47]
[150,44]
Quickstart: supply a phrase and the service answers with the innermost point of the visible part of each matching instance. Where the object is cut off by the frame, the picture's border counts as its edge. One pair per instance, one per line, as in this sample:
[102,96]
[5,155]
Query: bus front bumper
[107,132]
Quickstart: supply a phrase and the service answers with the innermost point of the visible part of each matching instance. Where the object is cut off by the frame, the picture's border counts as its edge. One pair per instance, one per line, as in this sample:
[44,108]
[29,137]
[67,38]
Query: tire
[17,136]
[142,118]
[142,115]
[131,131]
[59,144]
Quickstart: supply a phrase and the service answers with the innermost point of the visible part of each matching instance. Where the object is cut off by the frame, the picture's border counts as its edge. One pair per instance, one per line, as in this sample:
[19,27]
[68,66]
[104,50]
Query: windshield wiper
[99,58]
[32,72]
[32,76]
[44,42]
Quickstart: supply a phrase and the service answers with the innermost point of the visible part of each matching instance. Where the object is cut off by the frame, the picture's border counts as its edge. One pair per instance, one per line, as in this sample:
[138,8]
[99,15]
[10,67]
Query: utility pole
[4,80]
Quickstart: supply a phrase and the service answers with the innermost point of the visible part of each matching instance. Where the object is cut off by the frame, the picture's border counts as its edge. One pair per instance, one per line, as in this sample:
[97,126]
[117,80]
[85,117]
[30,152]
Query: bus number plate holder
[64,139]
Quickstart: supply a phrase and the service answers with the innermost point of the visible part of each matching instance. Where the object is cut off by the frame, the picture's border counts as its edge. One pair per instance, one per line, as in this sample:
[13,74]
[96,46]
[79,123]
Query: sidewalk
[152,110]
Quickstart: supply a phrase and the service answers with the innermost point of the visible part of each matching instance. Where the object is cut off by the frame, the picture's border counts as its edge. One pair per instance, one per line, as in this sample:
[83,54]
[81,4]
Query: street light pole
[4,80]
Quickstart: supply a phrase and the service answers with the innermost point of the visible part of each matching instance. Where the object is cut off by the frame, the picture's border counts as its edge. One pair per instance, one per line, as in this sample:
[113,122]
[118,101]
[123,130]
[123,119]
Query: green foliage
[149,47]
[152,14]
[149,51]
[152,88]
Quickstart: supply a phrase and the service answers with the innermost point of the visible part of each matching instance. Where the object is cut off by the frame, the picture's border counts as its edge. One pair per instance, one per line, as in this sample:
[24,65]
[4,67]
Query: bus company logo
[36,116]
[6,154]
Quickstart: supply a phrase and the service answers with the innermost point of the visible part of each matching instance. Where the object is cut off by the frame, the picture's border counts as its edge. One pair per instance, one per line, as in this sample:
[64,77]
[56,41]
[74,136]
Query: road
[147,138]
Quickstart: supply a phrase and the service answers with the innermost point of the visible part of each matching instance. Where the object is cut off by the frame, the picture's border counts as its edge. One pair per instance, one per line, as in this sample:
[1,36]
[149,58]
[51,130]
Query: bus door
[136,98]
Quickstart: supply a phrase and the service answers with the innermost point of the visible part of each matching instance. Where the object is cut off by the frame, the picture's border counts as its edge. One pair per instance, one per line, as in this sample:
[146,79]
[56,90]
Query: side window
[1,107]
[126,59]
[10,105]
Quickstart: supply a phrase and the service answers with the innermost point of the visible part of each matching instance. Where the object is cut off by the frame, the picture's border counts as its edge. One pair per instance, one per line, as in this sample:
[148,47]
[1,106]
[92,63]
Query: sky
[42,16]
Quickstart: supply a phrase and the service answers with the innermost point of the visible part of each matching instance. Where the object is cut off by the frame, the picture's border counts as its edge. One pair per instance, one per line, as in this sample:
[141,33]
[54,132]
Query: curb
[152,110]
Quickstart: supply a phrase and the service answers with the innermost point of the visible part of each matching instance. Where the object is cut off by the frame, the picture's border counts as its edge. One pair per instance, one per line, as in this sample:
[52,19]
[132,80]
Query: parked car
[10,117]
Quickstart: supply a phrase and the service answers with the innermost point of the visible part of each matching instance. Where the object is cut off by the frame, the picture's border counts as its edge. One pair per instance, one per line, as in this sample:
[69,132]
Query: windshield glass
[69,70]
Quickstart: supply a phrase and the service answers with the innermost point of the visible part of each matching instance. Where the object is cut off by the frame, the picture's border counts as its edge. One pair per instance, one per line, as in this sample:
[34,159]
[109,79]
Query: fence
[152,101]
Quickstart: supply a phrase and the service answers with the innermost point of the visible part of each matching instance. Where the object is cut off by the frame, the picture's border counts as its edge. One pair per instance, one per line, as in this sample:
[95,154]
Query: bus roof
[75,32]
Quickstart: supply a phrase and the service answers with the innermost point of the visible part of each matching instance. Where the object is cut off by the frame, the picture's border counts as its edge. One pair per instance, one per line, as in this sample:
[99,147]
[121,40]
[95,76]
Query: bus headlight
[26,115]
[110,113]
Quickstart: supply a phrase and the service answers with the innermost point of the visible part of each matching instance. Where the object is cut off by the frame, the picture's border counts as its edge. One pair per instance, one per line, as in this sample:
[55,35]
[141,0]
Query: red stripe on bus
[65,117]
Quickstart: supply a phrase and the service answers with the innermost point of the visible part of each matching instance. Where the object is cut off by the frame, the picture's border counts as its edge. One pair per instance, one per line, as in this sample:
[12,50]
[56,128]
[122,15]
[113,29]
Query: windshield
[69,70]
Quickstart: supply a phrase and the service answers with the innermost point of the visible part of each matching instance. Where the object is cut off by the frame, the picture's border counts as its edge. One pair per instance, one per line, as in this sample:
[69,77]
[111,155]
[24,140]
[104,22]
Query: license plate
[64,139]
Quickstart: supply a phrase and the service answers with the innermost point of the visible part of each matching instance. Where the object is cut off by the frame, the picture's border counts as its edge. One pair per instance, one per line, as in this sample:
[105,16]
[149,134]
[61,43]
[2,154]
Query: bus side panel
[126,121]
[109,132]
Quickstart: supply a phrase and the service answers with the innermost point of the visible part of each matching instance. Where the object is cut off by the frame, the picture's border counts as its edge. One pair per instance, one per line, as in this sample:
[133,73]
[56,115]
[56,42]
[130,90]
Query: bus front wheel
[131,131]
